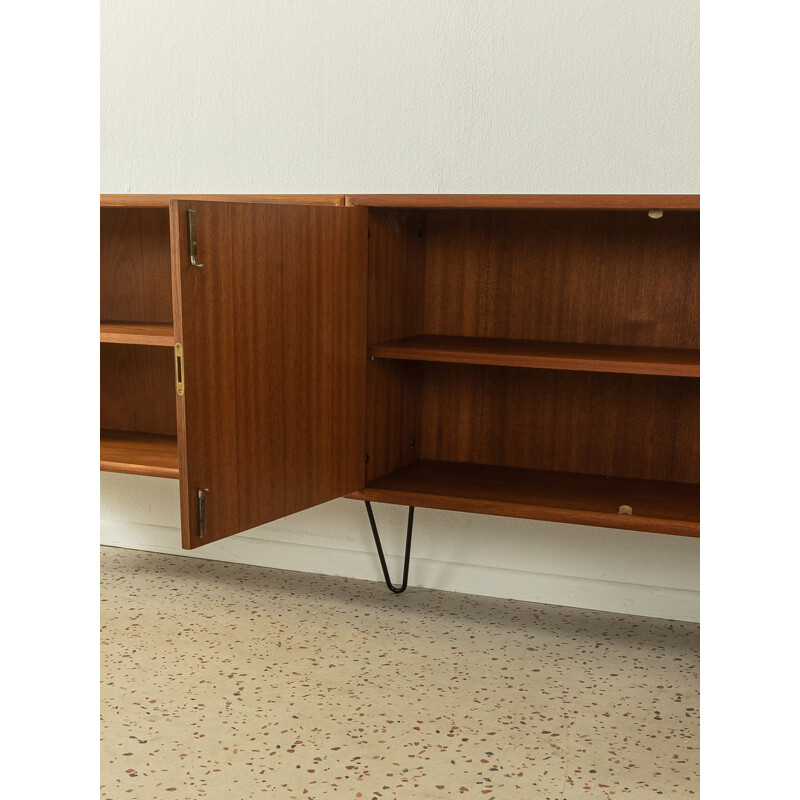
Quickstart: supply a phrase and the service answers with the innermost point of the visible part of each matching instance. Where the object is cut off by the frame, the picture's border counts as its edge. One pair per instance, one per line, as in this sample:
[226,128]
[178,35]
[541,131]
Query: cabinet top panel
[633,202]
[687,202]
[162,200]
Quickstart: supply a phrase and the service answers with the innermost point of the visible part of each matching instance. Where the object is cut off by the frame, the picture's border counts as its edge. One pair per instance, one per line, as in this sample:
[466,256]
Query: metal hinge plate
[179,369]
[201,512]
[192,225]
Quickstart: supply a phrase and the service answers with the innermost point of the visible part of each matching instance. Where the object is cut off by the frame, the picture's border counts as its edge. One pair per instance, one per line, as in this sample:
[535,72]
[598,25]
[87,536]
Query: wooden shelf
[542,355]
[139,453]
[160,334]
[609,202]
[658,506]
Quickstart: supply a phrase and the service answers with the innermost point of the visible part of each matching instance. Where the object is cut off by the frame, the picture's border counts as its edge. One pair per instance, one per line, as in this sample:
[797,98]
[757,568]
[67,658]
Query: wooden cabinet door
[272,329]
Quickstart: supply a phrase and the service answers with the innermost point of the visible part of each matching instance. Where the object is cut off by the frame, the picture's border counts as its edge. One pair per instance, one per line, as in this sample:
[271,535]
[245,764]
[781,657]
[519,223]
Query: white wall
[409,96]
[400,96]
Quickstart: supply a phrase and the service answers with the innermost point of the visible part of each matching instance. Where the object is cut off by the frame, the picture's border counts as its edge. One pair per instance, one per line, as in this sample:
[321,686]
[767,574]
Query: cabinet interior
[536,341]
[135,274]
[137,381]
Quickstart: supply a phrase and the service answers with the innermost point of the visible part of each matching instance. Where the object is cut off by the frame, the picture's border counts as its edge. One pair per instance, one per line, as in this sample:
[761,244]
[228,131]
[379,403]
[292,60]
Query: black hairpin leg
[404,584]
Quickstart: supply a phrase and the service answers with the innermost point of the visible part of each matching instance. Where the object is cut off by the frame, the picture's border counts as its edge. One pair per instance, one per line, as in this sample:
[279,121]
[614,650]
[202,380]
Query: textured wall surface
[401,96]
[409,96]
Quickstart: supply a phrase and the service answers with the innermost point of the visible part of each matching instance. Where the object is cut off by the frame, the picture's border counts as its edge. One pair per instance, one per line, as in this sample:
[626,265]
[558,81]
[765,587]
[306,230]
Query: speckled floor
[229,681]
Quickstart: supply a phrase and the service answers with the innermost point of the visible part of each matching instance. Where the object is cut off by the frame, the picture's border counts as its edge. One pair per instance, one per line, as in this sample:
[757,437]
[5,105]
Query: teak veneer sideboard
[521,355]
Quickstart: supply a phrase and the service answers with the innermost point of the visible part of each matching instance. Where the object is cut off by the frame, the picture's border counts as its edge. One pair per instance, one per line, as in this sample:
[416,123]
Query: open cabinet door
[271,323]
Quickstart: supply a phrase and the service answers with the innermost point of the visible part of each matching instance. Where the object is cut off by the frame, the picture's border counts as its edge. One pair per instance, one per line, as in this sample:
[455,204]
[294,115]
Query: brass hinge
[192,225]
[179,369]
[201,512]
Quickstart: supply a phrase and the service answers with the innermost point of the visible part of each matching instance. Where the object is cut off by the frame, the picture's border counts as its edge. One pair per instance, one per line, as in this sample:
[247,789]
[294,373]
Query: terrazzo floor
[229,681]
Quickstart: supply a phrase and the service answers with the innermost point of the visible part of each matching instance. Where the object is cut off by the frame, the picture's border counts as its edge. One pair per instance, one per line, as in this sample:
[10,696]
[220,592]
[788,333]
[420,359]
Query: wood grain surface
[563,201]
[394,307]
[657,506]
[162,200]
[584,277]
[139,453]
[393,424]
[137,388]
[273,329]
[135,278]
[157,334]
[541,355]
[396,284]
[623,425]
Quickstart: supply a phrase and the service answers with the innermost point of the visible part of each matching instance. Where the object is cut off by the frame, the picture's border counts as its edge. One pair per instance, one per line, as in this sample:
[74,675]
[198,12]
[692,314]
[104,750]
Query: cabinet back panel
[137,388]
[392,421]
[598,277]
[135,278]
[395,273]
[623,425]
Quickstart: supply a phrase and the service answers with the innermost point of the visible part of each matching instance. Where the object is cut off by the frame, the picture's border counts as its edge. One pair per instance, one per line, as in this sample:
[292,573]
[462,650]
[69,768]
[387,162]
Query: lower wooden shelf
[139,453]
[657,506]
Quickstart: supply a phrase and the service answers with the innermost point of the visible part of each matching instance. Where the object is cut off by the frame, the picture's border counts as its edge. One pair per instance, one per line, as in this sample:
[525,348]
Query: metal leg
[404,584]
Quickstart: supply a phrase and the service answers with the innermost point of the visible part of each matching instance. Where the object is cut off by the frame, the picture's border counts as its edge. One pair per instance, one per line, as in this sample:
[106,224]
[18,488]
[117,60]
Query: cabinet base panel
[656,506]
[139,453]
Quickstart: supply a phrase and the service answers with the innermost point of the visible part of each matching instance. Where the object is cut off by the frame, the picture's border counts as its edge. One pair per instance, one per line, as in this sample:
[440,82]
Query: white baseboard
[341,554]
